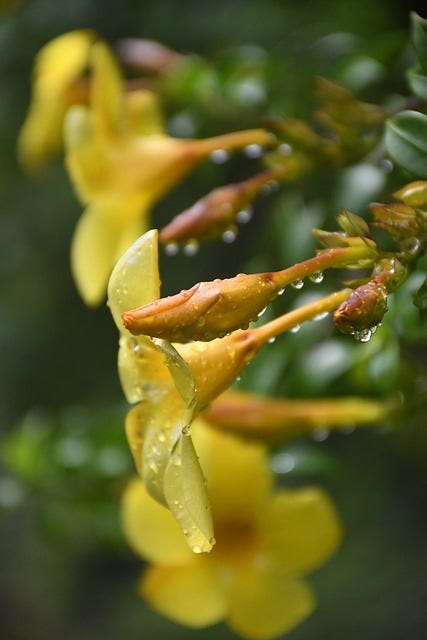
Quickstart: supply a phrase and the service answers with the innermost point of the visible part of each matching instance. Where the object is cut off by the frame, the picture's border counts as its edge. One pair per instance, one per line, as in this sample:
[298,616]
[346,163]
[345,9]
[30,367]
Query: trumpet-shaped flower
[121,161]
[266,542]
[58,67]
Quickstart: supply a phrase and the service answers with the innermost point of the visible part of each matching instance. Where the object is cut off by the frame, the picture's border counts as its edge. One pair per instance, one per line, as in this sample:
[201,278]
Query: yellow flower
[121,162]
[58,67]
[266,541]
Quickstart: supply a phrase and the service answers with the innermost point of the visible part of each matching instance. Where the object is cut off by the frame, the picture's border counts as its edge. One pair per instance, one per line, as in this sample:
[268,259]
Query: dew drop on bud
[297,284]
[229,236]
[262,312]
[172,248]
[364,335]
[316,277]
[285,149]
[253,151]
[271,340]
[219,156]
[320,434]
[321,316]
[191,248]
[281,292]
[244,216]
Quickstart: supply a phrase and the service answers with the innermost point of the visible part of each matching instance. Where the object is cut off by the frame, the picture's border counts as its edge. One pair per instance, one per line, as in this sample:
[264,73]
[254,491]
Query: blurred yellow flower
[58,67]
[121,161]
[266,541]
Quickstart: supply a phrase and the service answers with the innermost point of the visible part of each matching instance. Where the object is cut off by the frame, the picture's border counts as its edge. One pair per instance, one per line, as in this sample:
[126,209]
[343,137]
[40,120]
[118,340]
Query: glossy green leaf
[418,82]
[406,141]
[419,39]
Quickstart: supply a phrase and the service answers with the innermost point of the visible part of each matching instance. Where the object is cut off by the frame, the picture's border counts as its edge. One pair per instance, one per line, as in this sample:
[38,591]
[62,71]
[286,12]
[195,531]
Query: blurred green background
[65,569]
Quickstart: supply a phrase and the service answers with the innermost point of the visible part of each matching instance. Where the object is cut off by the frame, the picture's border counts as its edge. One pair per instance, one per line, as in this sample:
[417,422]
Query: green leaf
[420,297]
[418,82]
[419,39]
[406,141]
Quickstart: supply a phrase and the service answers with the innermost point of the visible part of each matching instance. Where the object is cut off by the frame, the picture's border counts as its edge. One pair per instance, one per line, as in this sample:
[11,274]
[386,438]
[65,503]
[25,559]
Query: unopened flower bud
[413,194]
[363,309]
[206,311]
[213,214]
[400,220]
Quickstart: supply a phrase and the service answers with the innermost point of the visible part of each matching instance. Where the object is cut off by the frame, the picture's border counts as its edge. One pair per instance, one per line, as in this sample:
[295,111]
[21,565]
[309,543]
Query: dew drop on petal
[191,248]
[186,430]
[171,249]
[197,548]
[219,156]
[297,284]
[316,277]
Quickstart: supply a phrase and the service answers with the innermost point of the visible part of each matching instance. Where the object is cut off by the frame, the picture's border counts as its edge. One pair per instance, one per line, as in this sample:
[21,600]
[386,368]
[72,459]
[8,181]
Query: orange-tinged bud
[213,214]
[206,311]
[398,219]
[363,310]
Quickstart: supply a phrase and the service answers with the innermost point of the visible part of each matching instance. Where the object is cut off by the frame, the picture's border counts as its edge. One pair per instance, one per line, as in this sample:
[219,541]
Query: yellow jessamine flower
[58,67]
[121,162]
[266,541]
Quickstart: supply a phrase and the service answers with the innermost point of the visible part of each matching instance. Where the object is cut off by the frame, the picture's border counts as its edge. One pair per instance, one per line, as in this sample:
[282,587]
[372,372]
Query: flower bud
[363,310]
[213,214]
[413,194]
[400,220]
[206,311]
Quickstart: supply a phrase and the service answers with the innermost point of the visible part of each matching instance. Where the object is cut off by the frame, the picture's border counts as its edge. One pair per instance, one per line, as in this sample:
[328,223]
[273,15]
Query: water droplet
[229,236]
[295,329]
[176,460]
[212,541]
[238,378]
[197,548]
[321,316]
[283,463]
[253,151]
[320,434]
[161,436]
[386,165]
[316,277]
[172,248]
[261,313]
[191,248]
[281,292]
[186,430]
[136,348]
[364,335]
[297,284]
[153,466]
[219,156]
[411,245]
[284,148]
[271,340]
[244,216]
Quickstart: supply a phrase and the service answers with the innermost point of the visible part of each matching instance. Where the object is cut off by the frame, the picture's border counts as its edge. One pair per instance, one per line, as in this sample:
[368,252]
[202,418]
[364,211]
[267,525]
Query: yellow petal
[106,90]
[58,64]
[182,378]
[143,116]
[135,276]
[86,155]
[265,605]
[143,374]
[301,529]
[238,473]
[96,239]
[150,529]
[186,495]
[187,594]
